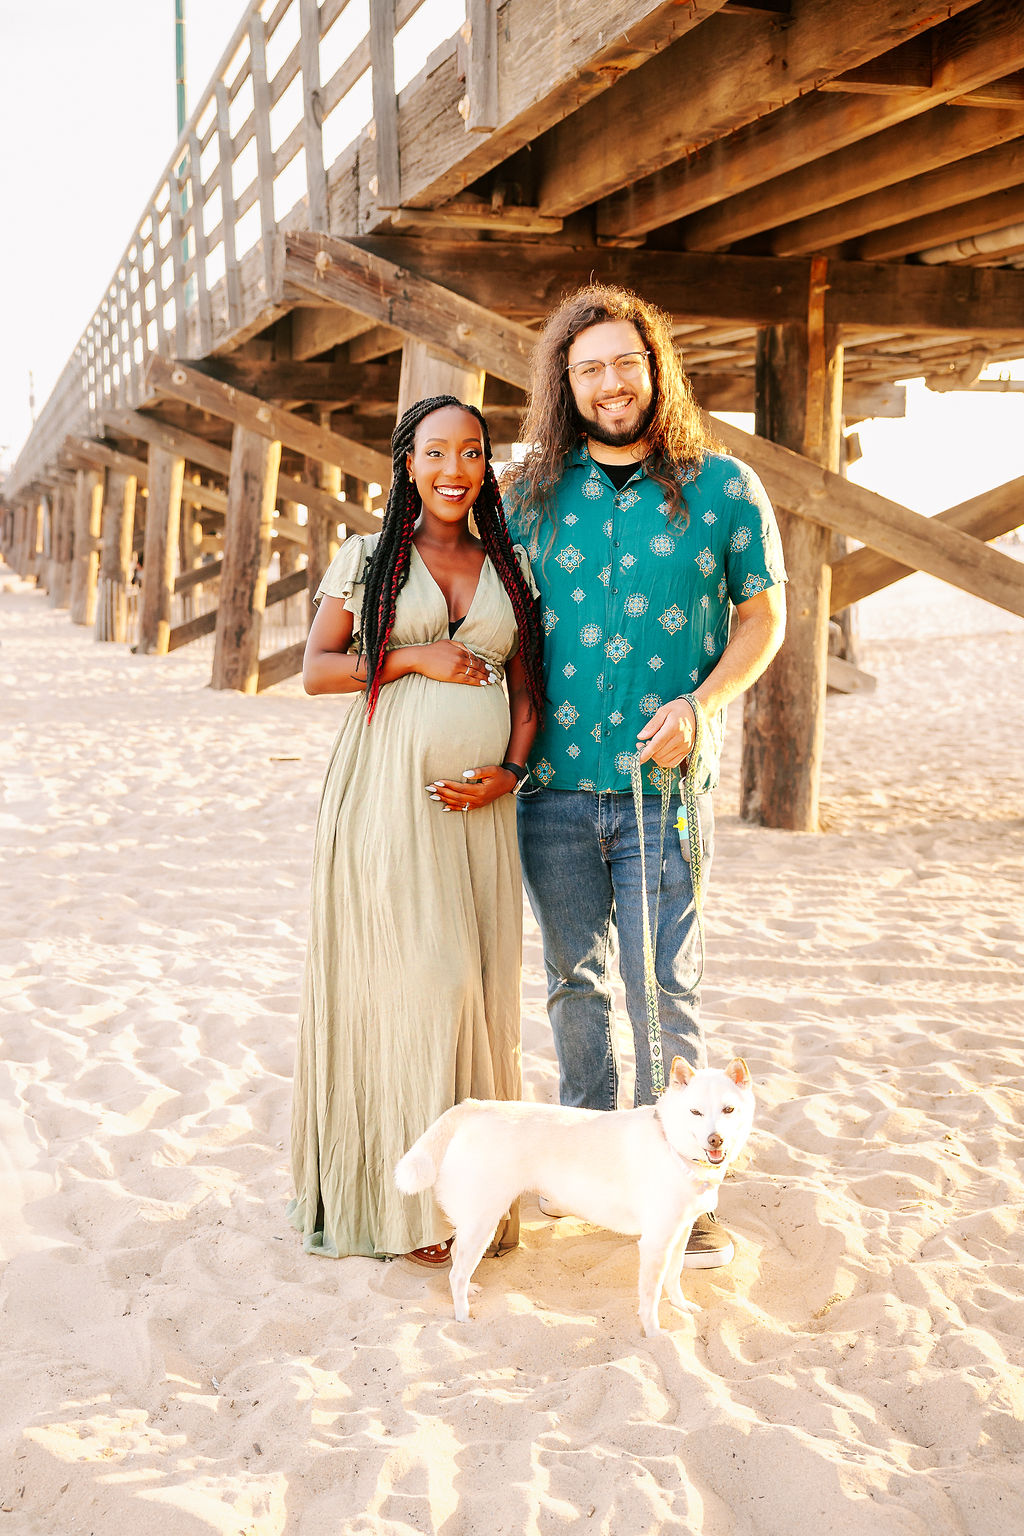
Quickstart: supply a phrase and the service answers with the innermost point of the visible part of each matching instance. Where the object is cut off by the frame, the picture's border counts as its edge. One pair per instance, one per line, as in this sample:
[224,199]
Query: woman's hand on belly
[478,787]
[446,661]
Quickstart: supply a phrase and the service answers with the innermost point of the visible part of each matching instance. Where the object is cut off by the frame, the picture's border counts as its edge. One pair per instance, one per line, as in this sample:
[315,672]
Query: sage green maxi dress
[411,992]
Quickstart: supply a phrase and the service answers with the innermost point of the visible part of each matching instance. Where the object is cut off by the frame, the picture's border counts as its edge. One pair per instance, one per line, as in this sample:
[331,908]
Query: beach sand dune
[173,1362]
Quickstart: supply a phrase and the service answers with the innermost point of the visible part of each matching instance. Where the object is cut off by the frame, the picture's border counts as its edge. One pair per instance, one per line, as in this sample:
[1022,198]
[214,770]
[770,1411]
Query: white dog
[649,1171]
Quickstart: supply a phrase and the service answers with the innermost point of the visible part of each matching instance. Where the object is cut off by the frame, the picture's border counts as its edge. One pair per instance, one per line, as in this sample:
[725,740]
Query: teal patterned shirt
[636,608]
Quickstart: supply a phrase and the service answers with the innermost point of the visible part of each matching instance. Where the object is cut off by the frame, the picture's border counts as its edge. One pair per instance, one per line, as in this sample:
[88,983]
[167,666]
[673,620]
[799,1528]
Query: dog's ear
[681,1072]
[739,1072]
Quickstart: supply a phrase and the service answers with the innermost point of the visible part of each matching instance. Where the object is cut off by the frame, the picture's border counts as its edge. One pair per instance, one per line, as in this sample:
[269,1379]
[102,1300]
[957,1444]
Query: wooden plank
[198,576]
[160,434]
[557,55]
[175,188]
[163,514]
[280,665]
[905,68]
[225,162]
[967,48]
[923,543]
[946,149]
[392,295]
[284,587]
[378,341]
[312,112]
[192,629]
[424,374]
[985,517]
[733,74]
[843,677]
[264,149]
[252,488]
[388,188]
[480,33]
[179,382]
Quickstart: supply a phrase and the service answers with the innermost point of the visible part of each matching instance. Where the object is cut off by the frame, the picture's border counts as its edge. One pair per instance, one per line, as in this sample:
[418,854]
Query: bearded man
[660,570]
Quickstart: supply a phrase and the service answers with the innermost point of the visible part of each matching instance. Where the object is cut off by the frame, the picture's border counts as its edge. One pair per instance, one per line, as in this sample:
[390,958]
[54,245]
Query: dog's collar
[715,1170]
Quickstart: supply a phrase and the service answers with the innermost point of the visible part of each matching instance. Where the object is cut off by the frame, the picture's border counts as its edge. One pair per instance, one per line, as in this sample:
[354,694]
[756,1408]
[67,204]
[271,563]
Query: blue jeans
[581,868]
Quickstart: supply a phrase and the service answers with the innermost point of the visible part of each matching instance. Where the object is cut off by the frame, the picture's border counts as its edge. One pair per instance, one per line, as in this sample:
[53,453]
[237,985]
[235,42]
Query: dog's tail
[418,1169]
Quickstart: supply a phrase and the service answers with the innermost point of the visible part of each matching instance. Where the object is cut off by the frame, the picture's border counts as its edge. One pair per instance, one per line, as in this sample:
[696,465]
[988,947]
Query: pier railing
[297,86]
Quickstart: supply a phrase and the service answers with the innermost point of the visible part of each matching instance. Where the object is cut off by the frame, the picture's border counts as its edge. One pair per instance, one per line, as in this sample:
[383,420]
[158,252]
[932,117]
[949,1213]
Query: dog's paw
[472,1289]
[678,1300]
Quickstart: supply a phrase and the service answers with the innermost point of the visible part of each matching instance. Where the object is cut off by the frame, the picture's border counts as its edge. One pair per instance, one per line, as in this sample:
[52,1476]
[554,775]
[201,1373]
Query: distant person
[411,996]
[646,544]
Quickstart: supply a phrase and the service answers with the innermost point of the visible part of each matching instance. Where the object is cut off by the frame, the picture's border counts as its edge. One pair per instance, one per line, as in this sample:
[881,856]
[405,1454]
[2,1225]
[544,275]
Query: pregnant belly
[461,727]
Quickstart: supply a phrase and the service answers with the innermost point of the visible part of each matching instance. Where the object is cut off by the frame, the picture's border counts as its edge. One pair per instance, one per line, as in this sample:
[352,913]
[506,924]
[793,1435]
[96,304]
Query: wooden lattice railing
[298,83]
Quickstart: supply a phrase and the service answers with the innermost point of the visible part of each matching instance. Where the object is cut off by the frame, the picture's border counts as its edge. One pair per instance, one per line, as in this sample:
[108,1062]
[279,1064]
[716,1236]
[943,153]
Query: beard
[615,435]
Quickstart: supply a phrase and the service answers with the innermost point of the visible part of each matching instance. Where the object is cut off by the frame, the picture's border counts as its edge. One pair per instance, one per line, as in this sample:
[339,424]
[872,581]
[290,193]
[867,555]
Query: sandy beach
[173,1362]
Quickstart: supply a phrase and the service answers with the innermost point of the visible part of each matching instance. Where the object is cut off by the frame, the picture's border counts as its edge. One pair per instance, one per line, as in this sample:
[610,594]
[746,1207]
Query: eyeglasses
[625,366]
[590,370]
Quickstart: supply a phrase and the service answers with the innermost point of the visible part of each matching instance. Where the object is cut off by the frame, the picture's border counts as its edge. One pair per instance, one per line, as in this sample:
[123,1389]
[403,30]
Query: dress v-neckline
[437,585]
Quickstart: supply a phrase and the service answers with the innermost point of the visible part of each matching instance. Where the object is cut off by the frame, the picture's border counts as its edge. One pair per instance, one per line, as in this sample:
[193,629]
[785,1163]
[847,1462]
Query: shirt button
[615,589]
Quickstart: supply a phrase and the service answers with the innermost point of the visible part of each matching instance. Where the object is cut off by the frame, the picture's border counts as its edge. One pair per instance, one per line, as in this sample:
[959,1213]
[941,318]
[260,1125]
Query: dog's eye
[699,1113]
[728,1109]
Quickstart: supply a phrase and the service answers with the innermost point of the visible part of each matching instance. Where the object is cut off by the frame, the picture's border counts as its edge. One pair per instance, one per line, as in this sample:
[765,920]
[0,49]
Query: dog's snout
[715,1141]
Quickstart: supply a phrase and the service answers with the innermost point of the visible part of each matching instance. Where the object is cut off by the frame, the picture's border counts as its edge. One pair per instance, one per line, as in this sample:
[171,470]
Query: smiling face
[447,463]
[611,410]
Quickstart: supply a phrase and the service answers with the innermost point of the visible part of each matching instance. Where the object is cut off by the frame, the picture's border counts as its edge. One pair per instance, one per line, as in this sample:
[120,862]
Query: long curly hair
[678,436]
[388,567]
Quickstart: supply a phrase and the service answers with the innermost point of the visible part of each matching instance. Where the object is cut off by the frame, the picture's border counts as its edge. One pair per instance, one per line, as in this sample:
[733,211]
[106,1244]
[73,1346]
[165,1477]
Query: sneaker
[549,1208]
[710,1245]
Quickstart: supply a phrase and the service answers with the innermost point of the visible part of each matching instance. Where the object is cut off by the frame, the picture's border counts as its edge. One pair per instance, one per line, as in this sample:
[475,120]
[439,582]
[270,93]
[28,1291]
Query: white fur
[638,1171]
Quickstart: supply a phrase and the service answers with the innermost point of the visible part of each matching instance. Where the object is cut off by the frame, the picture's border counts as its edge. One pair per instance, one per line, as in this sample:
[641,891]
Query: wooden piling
[85,556]
[798,404]
[115,557]
[63,535]
[252,492]
[163,515]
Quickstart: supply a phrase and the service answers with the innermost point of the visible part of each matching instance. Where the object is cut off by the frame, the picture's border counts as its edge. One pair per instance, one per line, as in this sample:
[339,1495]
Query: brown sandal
[434,1257]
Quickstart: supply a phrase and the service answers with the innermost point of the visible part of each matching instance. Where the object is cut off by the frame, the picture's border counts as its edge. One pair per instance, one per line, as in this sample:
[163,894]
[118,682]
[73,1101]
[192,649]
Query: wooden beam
[192,629]
[963,221]
[735,392]
[985,517]
[531,279]
[316,383]
[198,576]
[906,68]
[508,217]
[732,75]
[280,665]
[176,381]
[163,514]
[780,138]
[556,55]
[922,543]
[160,434]
[954,152]
[319,327]
[425,374]
[252,489]
[378,341]
[392,295]
[312,137]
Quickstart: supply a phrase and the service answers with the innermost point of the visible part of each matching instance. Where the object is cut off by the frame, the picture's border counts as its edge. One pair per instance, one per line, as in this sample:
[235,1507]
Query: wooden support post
[312,112]
[424,373]
[163,517]
[115,557]
[323,524]
[799,404]
[481,37]
[289,556]
[85,559]
[252,491]
[63,534]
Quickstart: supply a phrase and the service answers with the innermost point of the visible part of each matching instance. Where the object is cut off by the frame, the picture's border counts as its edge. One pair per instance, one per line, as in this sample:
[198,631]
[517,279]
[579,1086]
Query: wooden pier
[825,198]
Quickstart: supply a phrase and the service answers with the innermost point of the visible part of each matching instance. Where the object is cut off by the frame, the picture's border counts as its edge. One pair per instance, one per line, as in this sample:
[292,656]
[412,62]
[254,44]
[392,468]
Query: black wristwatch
[521,773]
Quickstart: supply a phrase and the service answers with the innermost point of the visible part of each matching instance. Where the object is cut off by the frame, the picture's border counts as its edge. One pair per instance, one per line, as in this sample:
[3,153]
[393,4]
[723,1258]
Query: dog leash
[688,812]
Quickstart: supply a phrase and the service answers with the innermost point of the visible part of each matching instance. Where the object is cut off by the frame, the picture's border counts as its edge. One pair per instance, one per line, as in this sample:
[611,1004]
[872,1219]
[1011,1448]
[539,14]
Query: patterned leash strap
[688,811]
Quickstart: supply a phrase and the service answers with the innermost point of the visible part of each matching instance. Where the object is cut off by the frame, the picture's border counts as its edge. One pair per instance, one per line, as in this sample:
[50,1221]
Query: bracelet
[517,768]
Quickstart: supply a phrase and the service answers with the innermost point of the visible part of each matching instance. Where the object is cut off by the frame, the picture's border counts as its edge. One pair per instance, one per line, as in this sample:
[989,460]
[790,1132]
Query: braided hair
[387,569]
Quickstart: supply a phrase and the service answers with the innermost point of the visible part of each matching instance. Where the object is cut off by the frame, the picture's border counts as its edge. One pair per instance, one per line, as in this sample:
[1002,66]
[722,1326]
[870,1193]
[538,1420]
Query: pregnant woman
[411,995]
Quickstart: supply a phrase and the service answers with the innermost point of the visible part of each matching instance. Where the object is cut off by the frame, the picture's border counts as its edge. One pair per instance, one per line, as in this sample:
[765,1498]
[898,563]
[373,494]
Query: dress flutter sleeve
[346,573]
[524,566]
